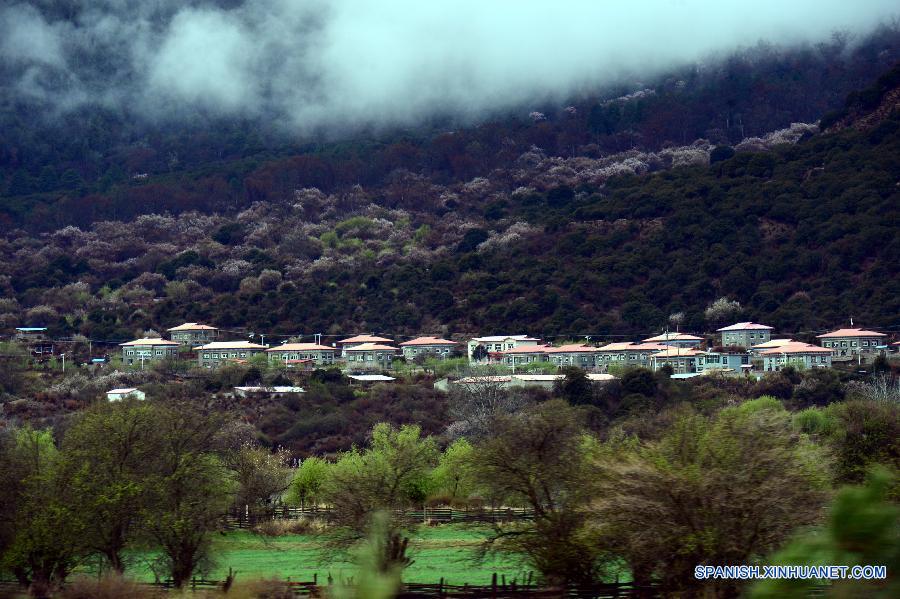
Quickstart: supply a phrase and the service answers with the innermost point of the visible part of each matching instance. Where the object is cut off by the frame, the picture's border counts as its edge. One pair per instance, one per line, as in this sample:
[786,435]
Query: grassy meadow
[442,551]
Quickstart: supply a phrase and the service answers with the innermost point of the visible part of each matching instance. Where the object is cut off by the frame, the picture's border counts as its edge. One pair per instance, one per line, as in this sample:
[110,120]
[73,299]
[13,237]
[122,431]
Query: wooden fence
[442,515]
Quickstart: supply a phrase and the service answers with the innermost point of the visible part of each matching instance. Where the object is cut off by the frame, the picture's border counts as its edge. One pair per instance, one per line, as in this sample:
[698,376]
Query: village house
[583,356]
[796,353]
[479,348]
[192,333]
[300,354]
[770,344]
[675,340]
[725,361]
[369,356]
[439,348]
[745,334]
[346,344]
[627,353]
[851,342]
[525,354]
[30,334]
[682,359]
[149,349]
[215,354]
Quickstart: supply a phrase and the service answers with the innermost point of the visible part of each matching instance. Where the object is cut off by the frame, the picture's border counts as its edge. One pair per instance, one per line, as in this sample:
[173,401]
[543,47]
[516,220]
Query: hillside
[797,226]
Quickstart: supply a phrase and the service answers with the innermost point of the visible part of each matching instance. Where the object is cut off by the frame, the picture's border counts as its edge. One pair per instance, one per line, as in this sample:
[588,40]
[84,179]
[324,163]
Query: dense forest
[599,218]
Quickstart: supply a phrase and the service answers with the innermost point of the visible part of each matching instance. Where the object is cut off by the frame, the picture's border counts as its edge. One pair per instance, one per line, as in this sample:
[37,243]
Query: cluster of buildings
[743,346]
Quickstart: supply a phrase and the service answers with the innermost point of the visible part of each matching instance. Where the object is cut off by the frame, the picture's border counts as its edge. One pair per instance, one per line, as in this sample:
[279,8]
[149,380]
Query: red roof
[366,339]
[371,347]
[573,348]
[851,333]
[796,347]
[428,341]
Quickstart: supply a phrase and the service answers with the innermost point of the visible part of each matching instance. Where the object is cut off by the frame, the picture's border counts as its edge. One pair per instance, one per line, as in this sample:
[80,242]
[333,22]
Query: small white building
[120,394]
[193,333]
[276,391]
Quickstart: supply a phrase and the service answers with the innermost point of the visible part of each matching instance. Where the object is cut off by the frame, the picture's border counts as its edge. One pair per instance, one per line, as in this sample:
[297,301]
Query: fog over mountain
[317,64]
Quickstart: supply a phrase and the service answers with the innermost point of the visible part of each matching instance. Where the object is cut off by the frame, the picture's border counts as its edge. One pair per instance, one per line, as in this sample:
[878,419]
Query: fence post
[494,585]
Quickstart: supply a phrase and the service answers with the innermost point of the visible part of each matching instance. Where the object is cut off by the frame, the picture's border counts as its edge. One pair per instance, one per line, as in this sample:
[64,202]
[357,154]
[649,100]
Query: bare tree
[880,388]
[478,398]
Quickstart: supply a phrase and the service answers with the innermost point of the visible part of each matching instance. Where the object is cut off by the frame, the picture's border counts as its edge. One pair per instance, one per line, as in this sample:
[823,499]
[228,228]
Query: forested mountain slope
[799,227]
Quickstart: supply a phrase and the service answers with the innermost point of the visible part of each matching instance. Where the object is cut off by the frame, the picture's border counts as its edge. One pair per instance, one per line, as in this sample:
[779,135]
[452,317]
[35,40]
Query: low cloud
[317,63]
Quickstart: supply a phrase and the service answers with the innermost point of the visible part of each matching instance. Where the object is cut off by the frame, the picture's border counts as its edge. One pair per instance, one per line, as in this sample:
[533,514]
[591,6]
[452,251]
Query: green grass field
[443,551]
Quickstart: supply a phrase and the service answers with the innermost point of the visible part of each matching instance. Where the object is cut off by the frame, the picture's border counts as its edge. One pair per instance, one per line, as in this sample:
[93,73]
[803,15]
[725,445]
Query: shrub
[108,587]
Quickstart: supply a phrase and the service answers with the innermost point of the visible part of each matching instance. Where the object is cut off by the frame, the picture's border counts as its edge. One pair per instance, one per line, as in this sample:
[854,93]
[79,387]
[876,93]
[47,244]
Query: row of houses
[742,346]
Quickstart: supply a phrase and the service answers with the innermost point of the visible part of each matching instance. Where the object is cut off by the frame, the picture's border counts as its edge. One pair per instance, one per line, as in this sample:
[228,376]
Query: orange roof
[772,343]
[851,333]
[796,347]
[572,349]
[301,347]
[149,341]
[745,326]
[371,347]
[428,341]
[193,326]
[366,339]
[673,337]
[618,346]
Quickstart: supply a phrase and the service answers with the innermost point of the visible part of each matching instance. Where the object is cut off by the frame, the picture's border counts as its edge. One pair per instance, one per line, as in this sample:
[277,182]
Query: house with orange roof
[745,334]
[294,355]
[213,355]
[148,349]
[346,344]
[681,359]
[796,353]
[851,342]
[675,339]
[524,354]
[583,356]
[435,346]
[627,354]
[369,356]
[193,333]
[771,343]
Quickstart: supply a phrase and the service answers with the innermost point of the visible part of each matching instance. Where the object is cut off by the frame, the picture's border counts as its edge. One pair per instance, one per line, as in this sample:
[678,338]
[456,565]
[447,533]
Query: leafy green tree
[46,541]
[712,490]
[188,488]
[538,458]
[261,476]
[862,528]
[390,475]
[453,480]
[575,387]
[106,452]
[309,481]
